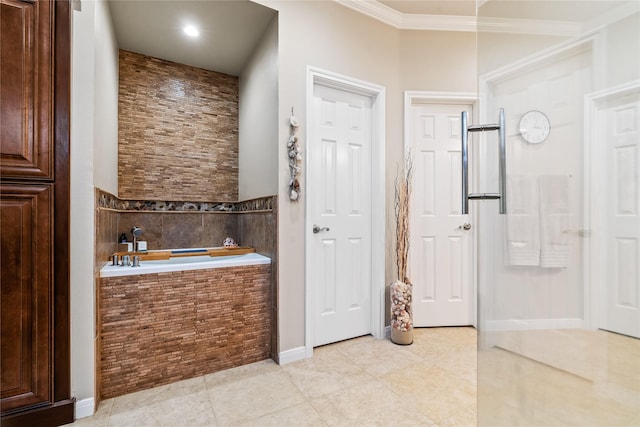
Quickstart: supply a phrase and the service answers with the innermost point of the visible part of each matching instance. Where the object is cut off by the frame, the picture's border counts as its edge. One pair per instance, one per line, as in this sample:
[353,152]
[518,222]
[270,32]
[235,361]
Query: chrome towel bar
[502,166]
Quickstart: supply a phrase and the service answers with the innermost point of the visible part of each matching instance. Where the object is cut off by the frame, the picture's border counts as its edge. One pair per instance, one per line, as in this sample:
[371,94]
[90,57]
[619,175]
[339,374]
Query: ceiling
[231,29]
[551,10]
[431,7]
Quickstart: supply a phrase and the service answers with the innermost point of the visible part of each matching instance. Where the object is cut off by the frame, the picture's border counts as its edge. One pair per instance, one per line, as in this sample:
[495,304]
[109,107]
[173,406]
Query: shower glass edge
[549,350]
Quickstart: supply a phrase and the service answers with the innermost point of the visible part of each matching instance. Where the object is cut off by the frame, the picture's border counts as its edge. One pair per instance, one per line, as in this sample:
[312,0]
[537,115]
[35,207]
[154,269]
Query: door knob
[465,226]
[317,229]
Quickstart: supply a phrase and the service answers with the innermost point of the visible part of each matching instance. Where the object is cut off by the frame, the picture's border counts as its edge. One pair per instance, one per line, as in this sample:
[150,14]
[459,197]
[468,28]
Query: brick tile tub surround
[160,328]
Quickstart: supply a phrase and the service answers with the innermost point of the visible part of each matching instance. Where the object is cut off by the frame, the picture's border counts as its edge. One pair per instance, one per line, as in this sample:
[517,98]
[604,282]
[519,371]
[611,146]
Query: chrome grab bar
[502,166]
[465,164]
[502,171]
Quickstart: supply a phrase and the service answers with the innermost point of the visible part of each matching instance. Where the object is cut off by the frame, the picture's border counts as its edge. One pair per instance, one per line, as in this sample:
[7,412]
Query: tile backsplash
[169,225]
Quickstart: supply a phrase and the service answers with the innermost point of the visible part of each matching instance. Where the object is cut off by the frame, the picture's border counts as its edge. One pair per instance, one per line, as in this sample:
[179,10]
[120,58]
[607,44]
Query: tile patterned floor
[360,382]
[569,378]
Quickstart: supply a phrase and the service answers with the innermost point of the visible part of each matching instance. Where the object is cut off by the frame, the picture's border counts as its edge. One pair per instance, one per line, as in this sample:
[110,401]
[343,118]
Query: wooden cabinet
[26,89]
[34,213]
[26,212]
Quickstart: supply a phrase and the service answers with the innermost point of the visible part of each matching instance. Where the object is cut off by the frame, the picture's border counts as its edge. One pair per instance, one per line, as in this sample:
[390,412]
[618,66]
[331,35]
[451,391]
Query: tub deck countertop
[181,260]
[173,253]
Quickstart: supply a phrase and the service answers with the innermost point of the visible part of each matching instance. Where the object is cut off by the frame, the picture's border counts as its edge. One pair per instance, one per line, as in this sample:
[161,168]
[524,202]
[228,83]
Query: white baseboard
[292,355]
[533,324]
[85,408]
[387,332]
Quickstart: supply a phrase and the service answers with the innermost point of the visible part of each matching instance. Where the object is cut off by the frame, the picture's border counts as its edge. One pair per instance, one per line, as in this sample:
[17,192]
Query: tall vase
[401,315]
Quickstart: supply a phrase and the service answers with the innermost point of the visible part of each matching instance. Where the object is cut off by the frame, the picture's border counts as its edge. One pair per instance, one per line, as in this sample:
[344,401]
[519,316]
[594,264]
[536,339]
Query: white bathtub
[196,262]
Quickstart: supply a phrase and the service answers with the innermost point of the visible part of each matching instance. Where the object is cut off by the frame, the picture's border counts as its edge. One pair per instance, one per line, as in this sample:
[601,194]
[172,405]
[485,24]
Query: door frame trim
[595,242]
[317,76]
[412,97]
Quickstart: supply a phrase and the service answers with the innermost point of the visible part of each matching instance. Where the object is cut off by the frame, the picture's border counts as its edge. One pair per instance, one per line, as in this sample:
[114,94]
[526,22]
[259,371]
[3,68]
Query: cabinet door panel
[26,212]
[26,90]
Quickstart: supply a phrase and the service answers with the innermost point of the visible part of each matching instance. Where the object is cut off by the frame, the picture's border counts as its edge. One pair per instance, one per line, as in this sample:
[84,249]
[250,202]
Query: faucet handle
[126,261]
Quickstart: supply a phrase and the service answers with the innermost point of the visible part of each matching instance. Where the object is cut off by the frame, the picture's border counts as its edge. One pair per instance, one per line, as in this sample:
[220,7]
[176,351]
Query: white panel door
[440,254]
[622,139]
[339,174]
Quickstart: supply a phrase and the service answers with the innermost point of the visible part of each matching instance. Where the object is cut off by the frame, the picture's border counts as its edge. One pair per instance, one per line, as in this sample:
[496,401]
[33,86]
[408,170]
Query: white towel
[523,225]
[554,221]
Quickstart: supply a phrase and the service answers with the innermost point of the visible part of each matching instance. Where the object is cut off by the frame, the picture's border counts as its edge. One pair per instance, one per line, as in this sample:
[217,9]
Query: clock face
[534,127]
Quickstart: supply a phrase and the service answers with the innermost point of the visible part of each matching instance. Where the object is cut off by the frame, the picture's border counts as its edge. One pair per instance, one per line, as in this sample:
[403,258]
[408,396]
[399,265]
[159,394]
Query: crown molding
[405,21]
[375,10]
[529,26]
[612,16]
[438,22]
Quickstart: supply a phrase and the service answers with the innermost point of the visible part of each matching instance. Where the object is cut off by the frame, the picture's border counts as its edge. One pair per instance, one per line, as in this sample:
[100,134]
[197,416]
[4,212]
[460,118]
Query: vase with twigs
[401,290]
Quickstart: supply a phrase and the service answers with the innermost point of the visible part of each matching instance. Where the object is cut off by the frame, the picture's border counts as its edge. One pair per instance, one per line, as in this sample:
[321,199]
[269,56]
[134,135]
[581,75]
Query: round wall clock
[534,126]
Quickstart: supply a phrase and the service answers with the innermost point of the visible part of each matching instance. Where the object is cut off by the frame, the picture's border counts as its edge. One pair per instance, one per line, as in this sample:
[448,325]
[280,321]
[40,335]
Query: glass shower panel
[559,274]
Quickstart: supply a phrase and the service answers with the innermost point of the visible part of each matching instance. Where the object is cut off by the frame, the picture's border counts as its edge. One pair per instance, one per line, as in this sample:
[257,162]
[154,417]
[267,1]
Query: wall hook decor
[293,151]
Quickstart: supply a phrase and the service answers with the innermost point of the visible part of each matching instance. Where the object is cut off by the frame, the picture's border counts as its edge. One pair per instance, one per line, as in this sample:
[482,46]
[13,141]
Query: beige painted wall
[438,61]
[496,50]
[331,37]
[258,120]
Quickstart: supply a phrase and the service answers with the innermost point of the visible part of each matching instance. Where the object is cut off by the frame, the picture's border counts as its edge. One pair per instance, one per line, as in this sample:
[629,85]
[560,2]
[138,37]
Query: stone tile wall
[177,131]
[181,229]
[160,328]
[106,226]
[168,225]
[259,230]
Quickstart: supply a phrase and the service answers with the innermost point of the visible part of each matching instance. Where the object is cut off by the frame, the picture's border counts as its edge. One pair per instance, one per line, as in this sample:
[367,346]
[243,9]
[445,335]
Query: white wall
[609,57]
[258,120]
[557,88]
[82,218]
[93,143]
[621,52]
[106,101]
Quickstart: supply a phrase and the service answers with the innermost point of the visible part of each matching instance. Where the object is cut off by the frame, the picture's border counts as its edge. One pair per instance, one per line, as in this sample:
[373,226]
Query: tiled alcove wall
[169,225]
[178,140]
[177,131]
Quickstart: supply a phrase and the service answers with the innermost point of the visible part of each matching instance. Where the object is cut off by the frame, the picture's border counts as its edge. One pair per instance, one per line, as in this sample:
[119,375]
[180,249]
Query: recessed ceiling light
[191,31]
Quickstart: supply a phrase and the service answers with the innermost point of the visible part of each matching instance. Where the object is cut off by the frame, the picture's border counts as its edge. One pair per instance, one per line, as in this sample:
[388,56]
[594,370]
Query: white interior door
[622,139]
[339,173]
[440,254]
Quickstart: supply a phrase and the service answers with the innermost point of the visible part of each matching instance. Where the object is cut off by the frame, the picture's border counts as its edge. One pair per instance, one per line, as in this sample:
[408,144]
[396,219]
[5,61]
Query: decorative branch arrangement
[294,151]
[401,291]
[402,197]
